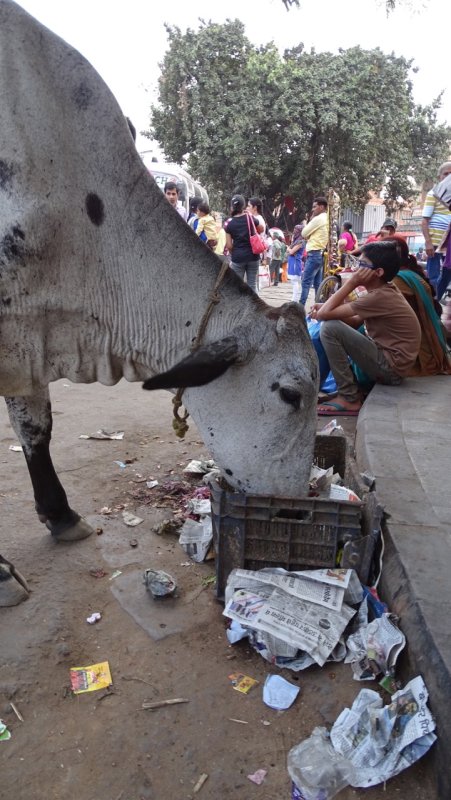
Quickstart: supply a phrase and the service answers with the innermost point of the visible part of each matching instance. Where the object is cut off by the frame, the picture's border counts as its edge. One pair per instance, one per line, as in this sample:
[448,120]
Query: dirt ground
[104,746]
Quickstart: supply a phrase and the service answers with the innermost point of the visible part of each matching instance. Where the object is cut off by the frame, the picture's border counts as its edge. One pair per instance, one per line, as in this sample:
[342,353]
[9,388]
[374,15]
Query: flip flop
[324,397]
[331,409]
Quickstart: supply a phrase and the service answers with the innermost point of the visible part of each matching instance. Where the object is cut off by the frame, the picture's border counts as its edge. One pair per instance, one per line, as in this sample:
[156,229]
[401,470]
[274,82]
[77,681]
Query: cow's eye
[291,396]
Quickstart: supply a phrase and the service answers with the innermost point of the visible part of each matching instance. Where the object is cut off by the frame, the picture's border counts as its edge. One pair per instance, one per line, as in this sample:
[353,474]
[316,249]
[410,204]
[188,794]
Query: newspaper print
[381,741]
[324,587]
[300,623]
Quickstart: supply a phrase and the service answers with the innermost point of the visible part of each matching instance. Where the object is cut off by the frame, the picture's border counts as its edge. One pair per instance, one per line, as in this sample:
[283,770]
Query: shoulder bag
[258,246]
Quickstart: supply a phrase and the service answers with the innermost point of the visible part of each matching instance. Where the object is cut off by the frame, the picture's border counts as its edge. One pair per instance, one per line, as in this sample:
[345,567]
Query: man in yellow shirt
[316,234]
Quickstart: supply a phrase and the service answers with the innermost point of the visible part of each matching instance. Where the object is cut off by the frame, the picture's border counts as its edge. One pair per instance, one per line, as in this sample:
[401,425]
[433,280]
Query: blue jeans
[445,279]
[433,268]
[250,269]
[313,272]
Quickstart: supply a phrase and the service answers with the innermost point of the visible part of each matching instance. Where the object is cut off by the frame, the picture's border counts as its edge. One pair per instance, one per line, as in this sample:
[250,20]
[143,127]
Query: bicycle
[333,280]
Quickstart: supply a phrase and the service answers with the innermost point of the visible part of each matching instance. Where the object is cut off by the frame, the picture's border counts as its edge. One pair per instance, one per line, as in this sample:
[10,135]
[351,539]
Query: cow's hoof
[13,586]
[71,533]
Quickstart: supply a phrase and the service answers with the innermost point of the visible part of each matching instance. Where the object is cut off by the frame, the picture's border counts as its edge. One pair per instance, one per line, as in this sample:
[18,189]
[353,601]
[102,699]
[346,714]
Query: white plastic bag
[264,277]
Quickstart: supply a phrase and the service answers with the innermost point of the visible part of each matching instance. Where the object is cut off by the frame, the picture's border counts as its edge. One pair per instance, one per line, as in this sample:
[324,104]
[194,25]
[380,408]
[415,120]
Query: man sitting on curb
[389,350]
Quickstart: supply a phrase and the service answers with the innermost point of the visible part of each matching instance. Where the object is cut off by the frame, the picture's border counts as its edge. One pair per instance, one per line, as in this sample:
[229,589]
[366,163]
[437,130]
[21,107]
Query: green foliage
[246,119]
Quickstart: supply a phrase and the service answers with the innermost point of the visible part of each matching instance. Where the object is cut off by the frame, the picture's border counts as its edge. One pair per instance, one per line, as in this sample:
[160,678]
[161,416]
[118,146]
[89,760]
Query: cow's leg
[31,418]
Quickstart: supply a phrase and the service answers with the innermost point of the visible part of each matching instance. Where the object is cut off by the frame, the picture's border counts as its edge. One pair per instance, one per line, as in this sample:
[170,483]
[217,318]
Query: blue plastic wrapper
[326,379]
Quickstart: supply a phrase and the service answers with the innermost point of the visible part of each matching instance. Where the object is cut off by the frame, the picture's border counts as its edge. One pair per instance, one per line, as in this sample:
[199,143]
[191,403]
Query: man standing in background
[435,223]
[316,234]
[172,194]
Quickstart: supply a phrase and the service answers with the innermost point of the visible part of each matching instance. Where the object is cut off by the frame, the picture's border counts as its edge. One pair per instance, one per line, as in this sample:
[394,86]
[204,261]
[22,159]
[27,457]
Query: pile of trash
[293,619]
[297,619]
[368,744]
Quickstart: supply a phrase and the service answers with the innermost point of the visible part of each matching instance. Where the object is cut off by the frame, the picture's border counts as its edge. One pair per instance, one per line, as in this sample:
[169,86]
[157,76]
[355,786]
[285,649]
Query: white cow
[101,279]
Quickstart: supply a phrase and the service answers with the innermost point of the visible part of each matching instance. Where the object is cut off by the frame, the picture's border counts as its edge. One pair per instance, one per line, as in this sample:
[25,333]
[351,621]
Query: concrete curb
[398,441]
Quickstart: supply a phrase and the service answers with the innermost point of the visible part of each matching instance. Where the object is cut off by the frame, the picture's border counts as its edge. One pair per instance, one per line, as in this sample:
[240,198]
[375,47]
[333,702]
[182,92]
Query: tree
[246,119]
[390,5]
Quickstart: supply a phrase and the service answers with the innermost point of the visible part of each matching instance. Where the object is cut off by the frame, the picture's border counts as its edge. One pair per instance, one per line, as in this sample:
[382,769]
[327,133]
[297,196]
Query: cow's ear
[202,366]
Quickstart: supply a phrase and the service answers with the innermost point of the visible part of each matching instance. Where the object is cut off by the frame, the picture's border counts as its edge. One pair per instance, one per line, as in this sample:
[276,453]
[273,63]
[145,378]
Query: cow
[101,279]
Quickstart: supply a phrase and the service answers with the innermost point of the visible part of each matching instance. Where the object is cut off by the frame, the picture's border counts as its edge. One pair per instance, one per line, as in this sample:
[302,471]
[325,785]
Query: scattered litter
[174,701]
[199,505]
[342,493]
[95,617]
[375,605]
[97,572]
[241,721]
[258,777]
[209,580]
[101,434]
[90,679]
[330,427]
[168,526]
[368,479]
[294,619]
[279,693]
[213,475]
[186,564]
[196,537]
[368,744]
[197,467]
[99,531]
[236,632]
[200,783]
[16,448]
[316,769]
[159,583]
[151,484]
[115,574]
[320,478]
[4,732]
[374,648]
[133,542]
[16,711]
[242,683]
[120,464]
[106,511]
[265,722]
[130,519]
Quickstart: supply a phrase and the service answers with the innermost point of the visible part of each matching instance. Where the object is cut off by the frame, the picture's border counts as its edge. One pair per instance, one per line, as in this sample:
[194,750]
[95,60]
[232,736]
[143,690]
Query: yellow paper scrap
[89,679]
[242,683]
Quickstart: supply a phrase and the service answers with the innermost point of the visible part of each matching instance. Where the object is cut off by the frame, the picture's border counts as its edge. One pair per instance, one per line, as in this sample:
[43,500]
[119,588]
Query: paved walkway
[402,439]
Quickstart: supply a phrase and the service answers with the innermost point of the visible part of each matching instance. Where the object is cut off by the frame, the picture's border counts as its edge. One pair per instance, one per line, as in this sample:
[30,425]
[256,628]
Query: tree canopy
[247,119]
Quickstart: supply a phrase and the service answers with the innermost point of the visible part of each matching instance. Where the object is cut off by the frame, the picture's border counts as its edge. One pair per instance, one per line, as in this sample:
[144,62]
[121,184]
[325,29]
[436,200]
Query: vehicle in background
[162,173]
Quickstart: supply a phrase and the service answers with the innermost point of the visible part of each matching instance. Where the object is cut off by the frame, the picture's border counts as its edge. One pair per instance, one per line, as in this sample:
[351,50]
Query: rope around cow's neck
[179,423]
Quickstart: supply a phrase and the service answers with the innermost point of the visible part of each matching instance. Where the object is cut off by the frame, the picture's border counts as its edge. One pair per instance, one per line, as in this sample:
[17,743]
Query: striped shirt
[439,217]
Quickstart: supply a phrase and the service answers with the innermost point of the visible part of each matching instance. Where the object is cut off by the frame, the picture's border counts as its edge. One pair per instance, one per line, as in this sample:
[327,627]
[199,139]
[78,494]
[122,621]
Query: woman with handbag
[243,242]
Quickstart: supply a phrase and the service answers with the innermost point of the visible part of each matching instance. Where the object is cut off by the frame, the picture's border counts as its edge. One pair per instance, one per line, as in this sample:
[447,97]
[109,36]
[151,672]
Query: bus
[162,173]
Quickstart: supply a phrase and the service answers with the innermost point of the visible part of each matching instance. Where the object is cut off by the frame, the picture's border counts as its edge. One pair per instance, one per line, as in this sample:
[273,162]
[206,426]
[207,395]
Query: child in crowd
[207,224]
[279,249]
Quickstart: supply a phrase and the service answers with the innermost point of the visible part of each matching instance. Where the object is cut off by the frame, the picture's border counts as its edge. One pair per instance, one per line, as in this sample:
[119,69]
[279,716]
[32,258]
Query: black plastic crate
[295,533]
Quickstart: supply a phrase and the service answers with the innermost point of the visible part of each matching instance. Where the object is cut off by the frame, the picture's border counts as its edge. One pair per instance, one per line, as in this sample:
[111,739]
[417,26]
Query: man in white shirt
[172,194]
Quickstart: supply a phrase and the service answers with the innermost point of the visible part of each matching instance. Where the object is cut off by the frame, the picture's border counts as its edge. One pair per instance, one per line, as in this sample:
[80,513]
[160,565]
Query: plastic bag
[316,769]
[326,379]
[264,277]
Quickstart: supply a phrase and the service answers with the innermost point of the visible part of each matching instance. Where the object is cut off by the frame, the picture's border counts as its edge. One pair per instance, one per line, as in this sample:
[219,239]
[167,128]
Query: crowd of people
[391,329]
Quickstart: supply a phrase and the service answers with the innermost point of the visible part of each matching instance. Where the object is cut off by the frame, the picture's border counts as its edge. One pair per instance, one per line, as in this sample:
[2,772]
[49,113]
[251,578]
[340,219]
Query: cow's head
[253,397]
